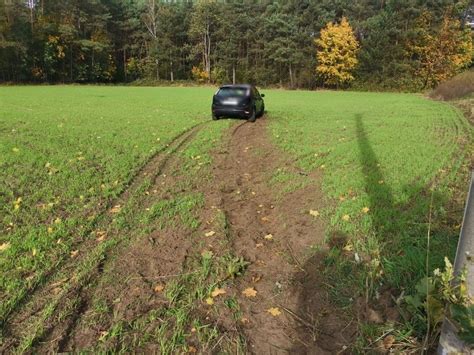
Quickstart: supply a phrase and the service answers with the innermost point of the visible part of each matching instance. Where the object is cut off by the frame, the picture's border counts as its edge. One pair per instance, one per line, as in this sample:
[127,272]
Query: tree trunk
[125,64]
[291,77]
[171,72]
[206,51]
[157,69]
[70,65]
[233,73]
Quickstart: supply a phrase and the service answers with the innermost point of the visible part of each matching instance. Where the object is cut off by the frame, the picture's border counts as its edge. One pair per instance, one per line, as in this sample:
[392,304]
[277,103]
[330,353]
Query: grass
[67,152]
[141,215]
[382,157]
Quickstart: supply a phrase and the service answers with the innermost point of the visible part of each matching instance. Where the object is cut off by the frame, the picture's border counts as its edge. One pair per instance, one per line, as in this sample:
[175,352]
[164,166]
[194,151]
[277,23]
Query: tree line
[392,44]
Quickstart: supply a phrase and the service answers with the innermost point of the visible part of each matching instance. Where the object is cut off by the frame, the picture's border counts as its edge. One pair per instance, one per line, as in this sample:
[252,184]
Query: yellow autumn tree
[443,53]
[337,53]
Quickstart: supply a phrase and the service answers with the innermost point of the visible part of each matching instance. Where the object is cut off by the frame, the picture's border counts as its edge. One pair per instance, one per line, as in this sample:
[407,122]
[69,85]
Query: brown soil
[284,269]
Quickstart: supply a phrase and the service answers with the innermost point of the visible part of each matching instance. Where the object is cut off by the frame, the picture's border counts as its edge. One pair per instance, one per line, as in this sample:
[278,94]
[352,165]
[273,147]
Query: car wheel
[261,113]
[253,116]
[215,117]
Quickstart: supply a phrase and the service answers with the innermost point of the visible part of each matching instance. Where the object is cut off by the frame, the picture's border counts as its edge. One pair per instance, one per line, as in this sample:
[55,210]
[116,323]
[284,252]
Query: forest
[398,44]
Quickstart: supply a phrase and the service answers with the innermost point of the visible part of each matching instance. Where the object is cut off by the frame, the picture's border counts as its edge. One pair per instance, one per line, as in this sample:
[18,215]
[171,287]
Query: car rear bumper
[231,111]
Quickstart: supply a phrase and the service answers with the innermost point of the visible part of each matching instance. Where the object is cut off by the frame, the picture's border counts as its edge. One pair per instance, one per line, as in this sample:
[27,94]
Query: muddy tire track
[275,235]
[34,303]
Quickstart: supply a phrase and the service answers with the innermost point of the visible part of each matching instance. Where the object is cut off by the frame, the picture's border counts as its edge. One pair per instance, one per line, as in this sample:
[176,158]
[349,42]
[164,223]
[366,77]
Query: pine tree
[337,53]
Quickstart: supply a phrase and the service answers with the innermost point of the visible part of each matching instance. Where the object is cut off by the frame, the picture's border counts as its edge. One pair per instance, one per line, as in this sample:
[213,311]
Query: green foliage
[433,295]
[235,266]
[464,317]
[266,43]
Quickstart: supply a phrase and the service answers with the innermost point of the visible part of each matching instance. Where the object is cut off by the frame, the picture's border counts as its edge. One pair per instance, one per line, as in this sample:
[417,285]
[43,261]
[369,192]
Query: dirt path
[275,235]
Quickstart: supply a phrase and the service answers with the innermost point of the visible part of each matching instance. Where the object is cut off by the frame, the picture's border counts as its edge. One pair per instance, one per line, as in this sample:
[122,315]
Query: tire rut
[274,232]
[31,307]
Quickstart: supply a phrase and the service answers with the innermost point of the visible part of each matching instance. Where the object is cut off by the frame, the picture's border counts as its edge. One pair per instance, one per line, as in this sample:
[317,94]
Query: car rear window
[233,92]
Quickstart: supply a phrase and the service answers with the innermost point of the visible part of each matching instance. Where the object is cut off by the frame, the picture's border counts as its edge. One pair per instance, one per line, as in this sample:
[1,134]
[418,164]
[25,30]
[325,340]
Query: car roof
[247,86]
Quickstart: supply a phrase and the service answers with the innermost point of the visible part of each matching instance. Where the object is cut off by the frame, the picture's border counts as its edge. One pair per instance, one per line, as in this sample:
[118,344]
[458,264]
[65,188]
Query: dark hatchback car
[240,101]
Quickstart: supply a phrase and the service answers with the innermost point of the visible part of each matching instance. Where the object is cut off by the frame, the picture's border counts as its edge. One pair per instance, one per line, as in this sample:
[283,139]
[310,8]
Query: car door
[257,99]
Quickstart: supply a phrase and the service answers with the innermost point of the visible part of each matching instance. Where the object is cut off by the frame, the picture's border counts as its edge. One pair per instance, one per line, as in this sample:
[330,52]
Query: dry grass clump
[455,88]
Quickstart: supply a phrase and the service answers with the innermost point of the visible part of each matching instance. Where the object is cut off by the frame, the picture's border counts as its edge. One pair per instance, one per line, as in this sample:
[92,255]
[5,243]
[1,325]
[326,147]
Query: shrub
[457,87]
[200,75]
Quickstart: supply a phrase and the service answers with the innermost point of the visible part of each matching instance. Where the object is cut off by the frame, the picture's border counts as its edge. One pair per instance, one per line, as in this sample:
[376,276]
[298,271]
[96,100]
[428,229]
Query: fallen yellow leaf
[210,234]
[259,245]
[74,253]
[159,288]
[209,301]
[33,252]
[366,209]
[244,320]
[218,292]
[4,246]
[268,237]
[314,213]
[101,235]
[274,311]
[116,209]
[346,217]
[388,342]
[348,247]
[249,292]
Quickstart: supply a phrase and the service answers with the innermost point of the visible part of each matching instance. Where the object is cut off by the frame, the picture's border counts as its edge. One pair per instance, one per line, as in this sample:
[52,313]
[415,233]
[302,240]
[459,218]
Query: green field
[65,153]
[384,160]
[384,152]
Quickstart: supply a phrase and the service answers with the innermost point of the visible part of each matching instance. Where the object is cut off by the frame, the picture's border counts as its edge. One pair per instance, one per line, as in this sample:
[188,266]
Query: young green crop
[65,152]
[383,158]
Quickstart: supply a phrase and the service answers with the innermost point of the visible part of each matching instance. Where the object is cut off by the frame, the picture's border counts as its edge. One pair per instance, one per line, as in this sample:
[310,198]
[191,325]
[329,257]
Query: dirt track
[283,270]
[288,276]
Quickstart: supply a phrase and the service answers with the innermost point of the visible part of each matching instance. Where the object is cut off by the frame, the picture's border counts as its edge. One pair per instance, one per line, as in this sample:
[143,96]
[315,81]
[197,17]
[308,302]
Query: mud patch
[276,236]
